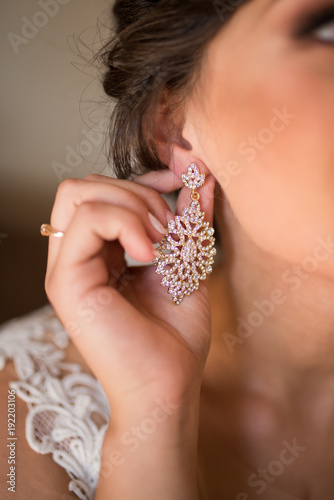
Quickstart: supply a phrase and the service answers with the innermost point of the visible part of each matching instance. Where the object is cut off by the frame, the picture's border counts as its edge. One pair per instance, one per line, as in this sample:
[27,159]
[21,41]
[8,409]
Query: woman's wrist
[152,450]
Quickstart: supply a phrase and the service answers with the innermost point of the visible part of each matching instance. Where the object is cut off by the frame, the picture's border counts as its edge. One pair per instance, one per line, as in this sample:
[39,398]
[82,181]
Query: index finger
[162,181]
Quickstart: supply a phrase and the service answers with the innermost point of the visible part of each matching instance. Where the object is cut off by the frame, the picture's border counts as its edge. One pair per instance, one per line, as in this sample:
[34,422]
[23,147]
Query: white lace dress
[68,411]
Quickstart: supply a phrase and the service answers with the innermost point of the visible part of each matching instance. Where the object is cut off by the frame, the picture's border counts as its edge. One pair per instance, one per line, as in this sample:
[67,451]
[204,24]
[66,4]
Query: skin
[272,214]
[238,402]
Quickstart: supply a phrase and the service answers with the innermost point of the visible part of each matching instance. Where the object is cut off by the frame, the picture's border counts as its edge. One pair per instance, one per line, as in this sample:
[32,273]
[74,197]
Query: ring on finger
[48,230]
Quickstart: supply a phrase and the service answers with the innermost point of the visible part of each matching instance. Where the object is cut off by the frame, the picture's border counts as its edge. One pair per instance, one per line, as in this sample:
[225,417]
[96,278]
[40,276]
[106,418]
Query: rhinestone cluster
[193,179]
[186,252]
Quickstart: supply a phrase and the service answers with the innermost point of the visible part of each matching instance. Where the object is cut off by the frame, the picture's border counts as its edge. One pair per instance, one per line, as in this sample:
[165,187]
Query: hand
[137,342]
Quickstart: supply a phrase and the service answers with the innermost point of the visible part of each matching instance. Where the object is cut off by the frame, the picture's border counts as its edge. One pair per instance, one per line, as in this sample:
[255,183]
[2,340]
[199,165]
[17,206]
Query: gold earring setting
[186,252]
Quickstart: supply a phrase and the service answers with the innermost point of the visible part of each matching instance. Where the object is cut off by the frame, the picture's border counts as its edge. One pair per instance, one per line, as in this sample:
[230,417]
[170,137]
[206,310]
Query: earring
[186,252]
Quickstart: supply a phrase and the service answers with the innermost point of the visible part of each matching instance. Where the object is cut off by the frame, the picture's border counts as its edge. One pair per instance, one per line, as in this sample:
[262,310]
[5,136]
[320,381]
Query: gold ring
[47,230]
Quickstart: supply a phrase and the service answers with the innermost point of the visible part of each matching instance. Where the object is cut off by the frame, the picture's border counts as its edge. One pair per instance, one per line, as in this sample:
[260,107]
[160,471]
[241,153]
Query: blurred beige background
[53,114]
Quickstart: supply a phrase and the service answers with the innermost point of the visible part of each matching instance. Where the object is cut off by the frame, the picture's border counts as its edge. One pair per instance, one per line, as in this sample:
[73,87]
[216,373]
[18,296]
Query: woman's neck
[282,316]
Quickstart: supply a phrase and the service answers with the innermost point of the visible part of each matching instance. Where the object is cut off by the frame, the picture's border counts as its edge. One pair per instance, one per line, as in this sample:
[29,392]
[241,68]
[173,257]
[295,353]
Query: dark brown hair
[157,47]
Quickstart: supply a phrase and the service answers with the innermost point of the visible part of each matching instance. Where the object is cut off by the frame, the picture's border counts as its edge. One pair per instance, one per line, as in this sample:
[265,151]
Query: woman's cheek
[283,199]
[268,141]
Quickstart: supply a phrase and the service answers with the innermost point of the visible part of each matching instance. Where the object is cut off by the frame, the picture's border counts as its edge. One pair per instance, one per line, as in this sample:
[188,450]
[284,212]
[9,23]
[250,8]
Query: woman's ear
[178,153]
[174,150]
[181,158]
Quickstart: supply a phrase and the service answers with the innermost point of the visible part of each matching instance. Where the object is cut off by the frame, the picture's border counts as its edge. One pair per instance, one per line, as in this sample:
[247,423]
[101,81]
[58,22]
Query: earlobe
[180,159]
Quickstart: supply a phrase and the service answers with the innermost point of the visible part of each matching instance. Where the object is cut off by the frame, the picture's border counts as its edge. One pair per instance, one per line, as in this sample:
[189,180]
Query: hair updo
[157,47]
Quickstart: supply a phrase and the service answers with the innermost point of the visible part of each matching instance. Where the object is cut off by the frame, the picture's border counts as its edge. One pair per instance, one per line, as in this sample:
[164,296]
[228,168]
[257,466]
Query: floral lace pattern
[68,412]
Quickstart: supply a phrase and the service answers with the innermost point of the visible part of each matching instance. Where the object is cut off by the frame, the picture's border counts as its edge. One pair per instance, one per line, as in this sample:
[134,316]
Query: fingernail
[156,224]
[169,216]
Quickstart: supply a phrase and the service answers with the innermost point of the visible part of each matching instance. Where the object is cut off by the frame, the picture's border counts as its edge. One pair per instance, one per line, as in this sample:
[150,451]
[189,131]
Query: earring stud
[186,252]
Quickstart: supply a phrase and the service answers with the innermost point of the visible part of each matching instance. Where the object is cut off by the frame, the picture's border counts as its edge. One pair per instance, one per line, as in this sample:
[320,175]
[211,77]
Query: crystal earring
[186,252]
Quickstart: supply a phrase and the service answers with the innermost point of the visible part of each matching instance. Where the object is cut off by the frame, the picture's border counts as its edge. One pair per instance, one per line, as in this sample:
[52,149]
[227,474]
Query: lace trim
[68,412]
